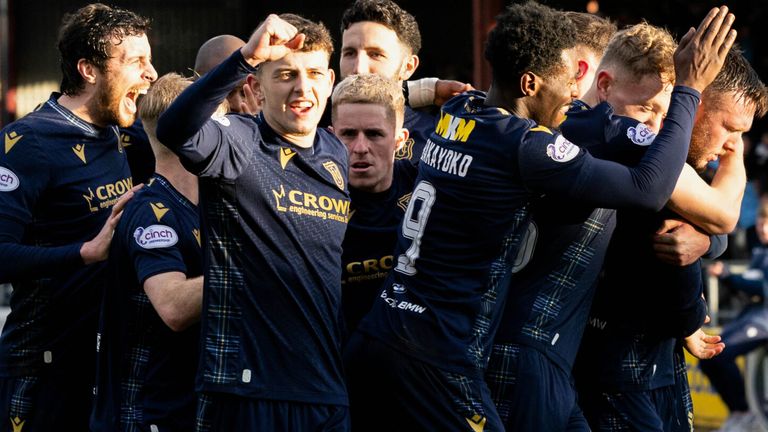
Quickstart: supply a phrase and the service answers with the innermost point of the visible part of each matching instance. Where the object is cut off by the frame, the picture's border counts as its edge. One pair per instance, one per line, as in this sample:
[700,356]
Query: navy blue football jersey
[370,241]
[146,371]
[551,296]
[141,159]
[59,178]
[274,216]
[468,216]
[420,125]
[641,308]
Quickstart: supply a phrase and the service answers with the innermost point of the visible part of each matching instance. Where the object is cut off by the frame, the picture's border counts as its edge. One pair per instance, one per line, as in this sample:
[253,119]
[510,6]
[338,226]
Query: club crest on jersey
[155,236]
[8,180]
[196,233]
[562,150]
[335,172]
[406,151]
[641,134]
[10,140]
[125,140]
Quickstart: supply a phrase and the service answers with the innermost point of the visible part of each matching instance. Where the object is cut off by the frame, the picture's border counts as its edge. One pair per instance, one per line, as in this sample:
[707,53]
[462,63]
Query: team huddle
[529,259]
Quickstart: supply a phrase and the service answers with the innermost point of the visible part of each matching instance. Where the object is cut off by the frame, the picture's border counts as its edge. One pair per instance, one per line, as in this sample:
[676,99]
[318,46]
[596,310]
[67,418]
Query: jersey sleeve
[606,135]
[550,163]
[206,146]
[153,245]
[25,174]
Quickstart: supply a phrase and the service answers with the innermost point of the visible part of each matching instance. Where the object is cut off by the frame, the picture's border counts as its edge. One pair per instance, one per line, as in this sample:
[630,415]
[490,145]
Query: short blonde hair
[642,49]
[370,89]
[158,98]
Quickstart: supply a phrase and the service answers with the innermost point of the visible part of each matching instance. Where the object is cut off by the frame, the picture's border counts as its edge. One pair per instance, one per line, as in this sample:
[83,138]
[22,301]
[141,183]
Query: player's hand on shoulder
[97,249]
[446,89]
[274,39]
[701,52]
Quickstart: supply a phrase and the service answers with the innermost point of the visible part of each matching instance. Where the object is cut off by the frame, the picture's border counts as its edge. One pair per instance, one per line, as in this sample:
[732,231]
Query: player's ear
[529,84]
[604,81]
[253,81]
[87,70]
[409,66]
[401,136]
[583,69]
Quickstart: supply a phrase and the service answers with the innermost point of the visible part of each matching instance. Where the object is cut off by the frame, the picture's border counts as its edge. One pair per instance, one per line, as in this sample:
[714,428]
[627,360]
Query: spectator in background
[746,333]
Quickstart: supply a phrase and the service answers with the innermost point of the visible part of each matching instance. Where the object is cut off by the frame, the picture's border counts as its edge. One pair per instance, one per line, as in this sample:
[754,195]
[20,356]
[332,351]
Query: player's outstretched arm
[714,208]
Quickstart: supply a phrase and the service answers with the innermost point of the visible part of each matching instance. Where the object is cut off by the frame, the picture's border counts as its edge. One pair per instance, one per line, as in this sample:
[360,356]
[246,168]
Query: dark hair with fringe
[89,33]
[388,14]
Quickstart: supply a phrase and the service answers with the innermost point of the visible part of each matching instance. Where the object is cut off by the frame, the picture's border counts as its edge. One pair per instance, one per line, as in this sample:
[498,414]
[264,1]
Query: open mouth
[301,107]
[360,166]
[131,97]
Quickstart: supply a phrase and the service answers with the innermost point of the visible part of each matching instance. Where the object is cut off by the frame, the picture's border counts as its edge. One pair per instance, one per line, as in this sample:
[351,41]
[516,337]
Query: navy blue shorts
[389,391]
[532,393]
[44,403]
[226,412]
[658,410]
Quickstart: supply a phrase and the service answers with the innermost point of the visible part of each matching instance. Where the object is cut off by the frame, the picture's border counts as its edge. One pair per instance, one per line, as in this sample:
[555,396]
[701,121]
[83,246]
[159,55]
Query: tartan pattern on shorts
[564,278]
[23,393]
[466,400]
[496,287]
[501,376]
[224,280]
[203,418]
[682,388]
[612,420]
[131,415]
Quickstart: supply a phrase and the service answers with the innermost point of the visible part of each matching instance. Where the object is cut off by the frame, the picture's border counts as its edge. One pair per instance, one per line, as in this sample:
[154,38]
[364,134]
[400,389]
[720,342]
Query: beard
[697,157]
[106,104]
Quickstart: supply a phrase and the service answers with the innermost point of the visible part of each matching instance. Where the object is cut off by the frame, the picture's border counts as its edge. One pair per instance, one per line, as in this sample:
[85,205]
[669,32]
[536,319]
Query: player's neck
[502,98]
[181,179]
[590,97]
[79,106]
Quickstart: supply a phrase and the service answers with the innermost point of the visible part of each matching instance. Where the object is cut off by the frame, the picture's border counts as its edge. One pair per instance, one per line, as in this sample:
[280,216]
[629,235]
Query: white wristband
[421,92]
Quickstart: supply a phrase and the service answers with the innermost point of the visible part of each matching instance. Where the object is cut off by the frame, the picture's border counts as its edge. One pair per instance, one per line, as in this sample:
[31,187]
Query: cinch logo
[308,204]
[641,134]
[8,180]
[155,236]
[454,128]
[562,150]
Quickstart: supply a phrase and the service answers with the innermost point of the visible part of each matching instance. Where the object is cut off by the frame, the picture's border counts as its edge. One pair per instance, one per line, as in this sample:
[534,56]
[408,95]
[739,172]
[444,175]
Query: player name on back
[446,160]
